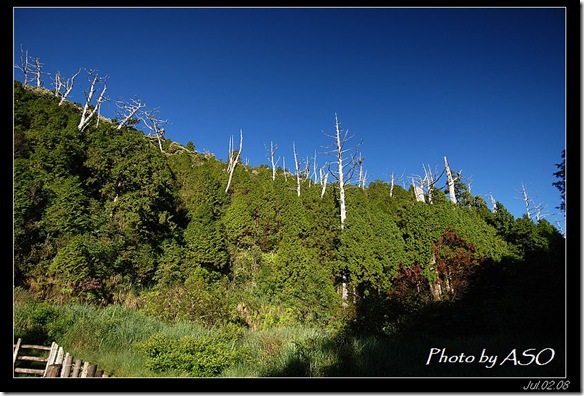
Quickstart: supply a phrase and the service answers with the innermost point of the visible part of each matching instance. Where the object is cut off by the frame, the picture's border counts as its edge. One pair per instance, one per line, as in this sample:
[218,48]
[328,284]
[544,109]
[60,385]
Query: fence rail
[58,363]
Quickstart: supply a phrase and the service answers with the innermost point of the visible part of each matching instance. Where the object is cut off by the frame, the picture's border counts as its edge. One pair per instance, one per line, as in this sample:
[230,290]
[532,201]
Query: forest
[281,274]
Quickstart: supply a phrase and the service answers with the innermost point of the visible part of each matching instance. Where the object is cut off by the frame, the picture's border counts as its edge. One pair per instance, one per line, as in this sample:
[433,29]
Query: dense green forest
[112,217]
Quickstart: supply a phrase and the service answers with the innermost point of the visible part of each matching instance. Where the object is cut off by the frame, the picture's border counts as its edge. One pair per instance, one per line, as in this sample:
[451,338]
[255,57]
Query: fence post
[85,368]
[51,358]
[59,357]
[15,351]
[53,370]
[66,369]
[76,368]
[91,369]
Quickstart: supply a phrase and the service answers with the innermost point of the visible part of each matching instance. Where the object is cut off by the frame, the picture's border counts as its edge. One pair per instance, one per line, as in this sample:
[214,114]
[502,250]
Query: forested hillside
[112,216]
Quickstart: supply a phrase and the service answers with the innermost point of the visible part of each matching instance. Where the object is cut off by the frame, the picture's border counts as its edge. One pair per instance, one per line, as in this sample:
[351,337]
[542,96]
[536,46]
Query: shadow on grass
[510,323]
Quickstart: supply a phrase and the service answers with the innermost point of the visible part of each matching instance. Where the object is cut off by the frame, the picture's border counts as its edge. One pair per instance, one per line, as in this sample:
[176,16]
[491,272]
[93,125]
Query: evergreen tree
[561,183]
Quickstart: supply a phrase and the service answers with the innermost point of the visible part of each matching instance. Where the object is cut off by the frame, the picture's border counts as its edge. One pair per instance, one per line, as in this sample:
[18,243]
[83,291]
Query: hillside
[111,216]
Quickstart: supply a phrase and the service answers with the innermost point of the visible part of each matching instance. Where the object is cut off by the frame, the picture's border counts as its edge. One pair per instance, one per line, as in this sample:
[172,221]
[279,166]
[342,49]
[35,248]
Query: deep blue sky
[484,87]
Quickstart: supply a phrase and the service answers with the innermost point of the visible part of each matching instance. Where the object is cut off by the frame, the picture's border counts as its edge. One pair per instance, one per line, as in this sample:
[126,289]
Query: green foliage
[371,246]
[560,184]
[32,320]
[202,356]
[103,217]
[203,298]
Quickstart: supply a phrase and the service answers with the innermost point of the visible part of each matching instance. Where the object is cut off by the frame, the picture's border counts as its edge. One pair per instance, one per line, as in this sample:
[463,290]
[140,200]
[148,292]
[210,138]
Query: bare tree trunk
[435,286]
[272,152]
[362,174]
[323,181]
[284,168]
[67,85]
[233,158]
[314,169]
[154,123]
[493,203]
[429,180]
[526,200]
[24,66]
[128,110]
[451,191]
[343,176]
[38,71]
[418,191]
[87,114]
[297,170]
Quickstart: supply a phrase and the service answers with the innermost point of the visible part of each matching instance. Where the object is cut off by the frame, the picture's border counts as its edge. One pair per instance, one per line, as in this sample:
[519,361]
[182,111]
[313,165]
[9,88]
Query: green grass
[114,338]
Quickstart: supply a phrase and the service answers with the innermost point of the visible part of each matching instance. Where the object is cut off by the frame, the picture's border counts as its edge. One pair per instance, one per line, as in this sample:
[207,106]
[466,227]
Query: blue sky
[484,87]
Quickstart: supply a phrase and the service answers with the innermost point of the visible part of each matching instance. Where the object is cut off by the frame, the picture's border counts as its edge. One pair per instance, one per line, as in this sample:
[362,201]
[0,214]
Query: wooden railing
[58,363]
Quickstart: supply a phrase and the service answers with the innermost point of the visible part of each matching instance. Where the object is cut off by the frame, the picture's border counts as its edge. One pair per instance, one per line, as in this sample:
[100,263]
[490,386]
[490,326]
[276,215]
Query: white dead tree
[314,166]
[493,202]
[343,172]
[526,201]
[559,225]
[362,181]
[539,211]
[271,155]
[25,66]
[155,124]
[128,110]
[38,71]
[305,172]
[284,168]
[429,181]
[89,111]
[63,87]
[532,208]
[323,180]
[451,192]
[393,179]
[233,158]
[418,189]
[297,169]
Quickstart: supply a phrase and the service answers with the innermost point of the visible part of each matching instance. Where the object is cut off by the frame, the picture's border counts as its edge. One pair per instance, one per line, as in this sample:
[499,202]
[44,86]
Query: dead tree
[532,208]
[451,192]
[493,202]
[128,110]
[271,154]
[343,174]
[233,158]
[305,172]
[323,181]
[297,169]
[418,189]
[88,110]
[429,181]
[539,211]
[284,168]
[314,166]
[25,66]
[63,87]
[362,174]
[38,71]
[526,200]
[155,124]
[393,183]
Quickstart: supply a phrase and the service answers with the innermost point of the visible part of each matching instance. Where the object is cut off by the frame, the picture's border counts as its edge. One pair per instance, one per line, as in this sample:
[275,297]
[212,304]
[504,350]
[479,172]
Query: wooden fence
[56,364]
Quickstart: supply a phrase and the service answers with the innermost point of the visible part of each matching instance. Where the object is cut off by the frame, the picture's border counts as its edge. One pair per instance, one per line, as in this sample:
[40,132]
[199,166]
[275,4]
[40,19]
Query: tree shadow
[510,322]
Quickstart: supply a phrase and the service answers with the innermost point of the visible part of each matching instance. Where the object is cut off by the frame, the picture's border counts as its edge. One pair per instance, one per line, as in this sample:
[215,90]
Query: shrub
[202,356]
